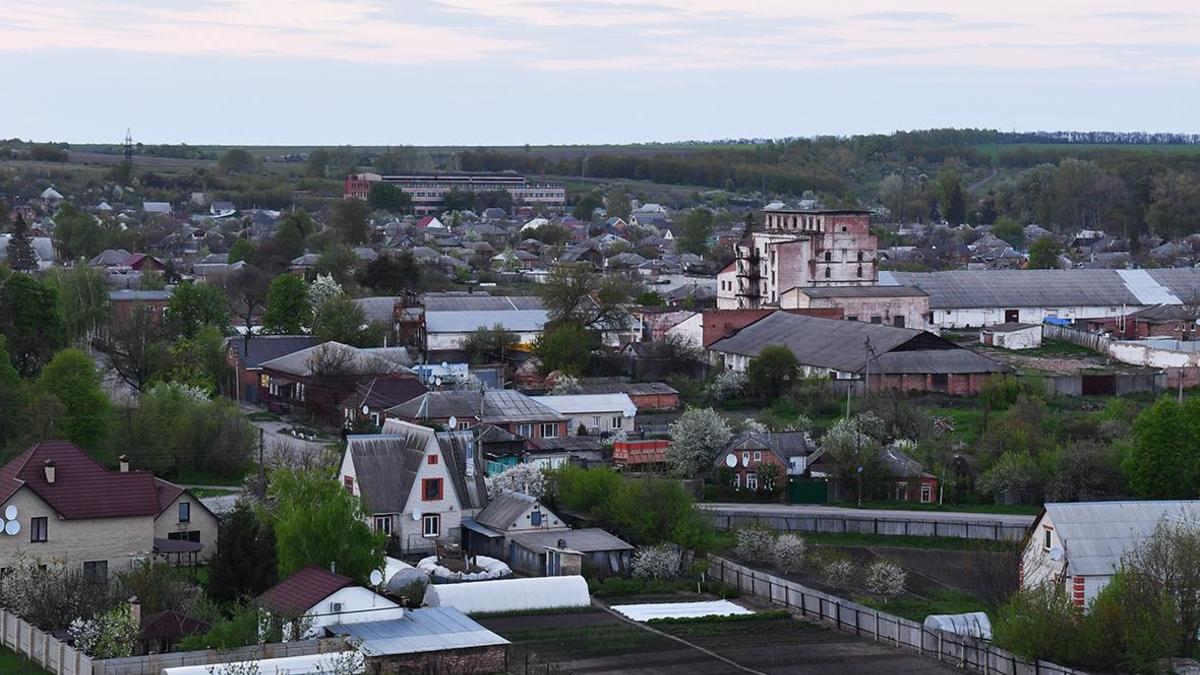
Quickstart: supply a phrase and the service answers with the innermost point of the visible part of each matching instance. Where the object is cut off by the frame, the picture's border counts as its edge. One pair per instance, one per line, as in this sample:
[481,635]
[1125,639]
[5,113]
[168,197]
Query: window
[185,512]
[431,489]
[348,483]
[431,525]
[431,460]
[535,518]
[852,318]
[550,430]
[860,258]
[464,425]
[38,530]
[189,535]
[901,492]
[525,430]
[859,271]
[758,455]
[926,494]
[383,524]
[877,319]
[940,380]
[615,422]
[828,272]
[95,571]
[1046,539]
[751,481]
[595,421]
[828,256]
[375,418]
[898,321]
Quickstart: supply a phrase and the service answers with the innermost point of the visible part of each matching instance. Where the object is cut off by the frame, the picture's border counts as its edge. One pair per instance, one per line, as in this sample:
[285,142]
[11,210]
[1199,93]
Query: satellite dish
[376,577]
[366,409]
[446,365]
[1056,553]
[416,514]
[730,460]
[12,528]
[453,422]
[10,513]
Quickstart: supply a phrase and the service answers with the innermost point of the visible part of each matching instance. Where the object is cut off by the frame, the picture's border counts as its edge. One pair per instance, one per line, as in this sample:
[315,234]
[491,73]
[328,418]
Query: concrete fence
[899,526]
[1092,341]
[152,664]
[972,654]
[42,648]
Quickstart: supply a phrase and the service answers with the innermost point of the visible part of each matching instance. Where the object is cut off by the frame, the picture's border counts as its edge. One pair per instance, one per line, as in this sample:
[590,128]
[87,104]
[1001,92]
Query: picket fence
[973,654]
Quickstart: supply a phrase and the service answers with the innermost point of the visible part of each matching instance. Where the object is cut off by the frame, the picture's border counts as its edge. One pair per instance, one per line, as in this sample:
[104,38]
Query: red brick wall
[655,401]
[956,384]
[479,660]
[718,323]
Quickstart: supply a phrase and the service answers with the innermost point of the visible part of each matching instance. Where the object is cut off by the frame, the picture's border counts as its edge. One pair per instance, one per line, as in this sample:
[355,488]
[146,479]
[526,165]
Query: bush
[728,384]
[885,579]
[657,562]
[1038,623]
[755,544]
[788,552]
[837,570]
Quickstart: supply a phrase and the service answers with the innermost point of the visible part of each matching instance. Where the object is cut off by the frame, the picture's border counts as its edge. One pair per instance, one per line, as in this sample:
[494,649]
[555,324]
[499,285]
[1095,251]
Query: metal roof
[479,302]
[429,629]
[961,289]
[502,512]
[1096,535]
[368,361]
[825,343]
[587,540]
[440,321]
[378,308]
[575,404]
[859,291]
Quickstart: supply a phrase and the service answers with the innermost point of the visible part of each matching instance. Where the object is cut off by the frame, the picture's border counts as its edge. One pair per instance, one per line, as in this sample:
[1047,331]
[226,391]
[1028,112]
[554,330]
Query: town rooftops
[630,388]
[492,407]
[302,590]
[386,464]
[1096,535]
[82,488]
[385,392]
[783,444]
[258,349]
[379,360]
[573,404]
[586,540]
[128,295]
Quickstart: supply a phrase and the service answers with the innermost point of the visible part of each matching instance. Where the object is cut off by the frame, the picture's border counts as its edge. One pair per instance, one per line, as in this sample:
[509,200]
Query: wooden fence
[899,526]
[968,653]
[42,648]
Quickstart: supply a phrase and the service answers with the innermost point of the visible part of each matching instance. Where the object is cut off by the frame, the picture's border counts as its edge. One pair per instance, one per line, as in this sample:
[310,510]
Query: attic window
[1046,540]
[431,460]
[431,489]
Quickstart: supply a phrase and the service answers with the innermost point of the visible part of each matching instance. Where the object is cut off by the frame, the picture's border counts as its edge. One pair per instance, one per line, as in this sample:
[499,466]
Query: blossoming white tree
[885,579]
[526,478]
[657,562]
[696,438]
[755,544]
[788,551]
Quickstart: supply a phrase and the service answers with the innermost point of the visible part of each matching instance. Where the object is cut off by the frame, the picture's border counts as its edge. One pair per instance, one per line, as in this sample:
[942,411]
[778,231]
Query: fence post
[877,626]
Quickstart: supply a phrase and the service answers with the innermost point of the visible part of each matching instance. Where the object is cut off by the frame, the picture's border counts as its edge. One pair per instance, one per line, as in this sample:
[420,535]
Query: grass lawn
[968,422]
[12,663]
[193,477]
[214,492]
[916,609]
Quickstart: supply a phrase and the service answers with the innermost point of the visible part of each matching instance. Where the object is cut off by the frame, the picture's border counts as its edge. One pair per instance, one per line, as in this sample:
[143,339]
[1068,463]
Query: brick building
[902,306]
[428,191]
[799,248]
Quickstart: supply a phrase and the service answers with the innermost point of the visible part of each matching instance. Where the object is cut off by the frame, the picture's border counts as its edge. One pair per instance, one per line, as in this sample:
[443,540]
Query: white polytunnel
[510,595]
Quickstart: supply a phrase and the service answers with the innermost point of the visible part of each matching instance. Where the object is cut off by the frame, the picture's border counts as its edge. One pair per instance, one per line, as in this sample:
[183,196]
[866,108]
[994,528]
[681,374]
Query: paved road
[898,514]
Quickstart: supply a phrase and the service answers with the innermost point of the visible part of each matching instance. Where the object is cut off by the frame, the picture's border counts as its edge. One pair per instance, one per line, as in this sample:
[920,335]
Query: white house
[1012,336]
[1081,545]
[416,484]
[314,598]
[598,413]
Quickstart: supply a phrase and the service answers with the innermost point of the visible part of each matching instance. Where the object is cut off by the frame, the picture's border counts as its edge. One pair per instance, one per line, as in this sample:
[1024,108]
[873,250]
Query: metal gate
[808,491]
[1099,385]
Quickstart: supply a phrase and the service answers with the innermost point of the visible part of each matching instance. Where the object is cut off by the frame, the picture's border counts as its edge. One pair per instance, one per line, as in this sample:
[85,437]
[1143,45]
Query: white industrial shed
[510,595]
[977,298]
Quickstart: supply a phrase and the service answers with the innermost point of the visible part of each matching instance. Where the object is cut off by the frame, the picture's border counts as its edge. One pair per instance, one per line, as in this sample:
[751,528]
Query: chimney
[333,566]
[124,463]
[50,471]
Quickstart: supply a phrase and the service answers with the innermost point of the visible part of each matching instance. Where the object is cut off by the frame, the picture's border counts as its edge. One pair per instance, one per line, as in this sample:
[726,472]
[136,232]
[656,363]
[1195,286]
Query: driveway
[278,446]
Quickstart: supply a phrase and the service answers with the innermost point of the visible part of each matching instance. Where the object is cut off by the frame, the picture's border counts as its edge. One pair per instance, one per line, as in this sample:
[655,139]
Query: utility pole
[262,478]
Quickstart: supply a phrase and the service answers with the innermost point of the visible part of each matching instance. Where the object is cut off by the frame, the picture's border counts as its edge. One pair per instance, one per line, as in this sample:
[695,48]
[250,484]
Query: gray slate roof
[429,629]
[1096,535]
[258,349]
[861,291]
[586,540]
[478,302]
[490,407]
[504,510]
[368,361]
[387,465]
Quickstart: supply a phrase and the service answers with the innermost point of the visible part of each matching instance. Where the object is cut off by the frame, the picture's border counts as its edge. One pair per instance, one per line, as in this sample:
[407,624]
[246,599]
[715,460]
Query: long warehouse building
[976,298]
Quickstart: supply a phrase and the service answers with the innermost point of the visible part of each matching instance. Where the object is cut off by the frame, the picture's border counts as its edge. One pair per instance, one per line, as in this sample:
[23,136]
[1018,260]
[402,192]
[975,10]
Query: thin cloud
[900,16]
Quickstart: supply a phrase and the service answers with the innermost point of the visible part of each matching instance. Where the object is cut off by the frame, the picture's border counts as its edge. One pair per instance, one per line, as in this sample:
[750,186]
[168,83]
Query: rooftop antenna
[128,146]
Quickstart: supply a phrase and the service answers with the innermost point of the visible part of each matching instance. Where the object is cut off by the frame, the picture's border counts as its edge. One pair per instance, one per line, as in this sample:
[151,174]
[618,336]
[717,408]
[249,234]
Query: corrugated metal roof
[504,510]
[825,343]
[440,321]
[1183,283]
[587,540]
[1096,535]
[875,291]
[1146,288]
[430,629]
[479,302]
[589,403]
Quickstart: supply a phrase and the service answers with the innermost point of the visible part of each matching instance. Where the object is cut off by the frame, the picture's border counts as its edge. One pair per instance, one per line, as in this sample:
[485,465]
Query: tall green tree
[586,205]
[1175,201]
[137,345]
[82,300]
[617,203]
[241,250]
[391,273]
[317,522]
[87,413]
[1163,461]
[30,319]
[349,220]
[697,228]
[340,319]
[21,256]
[389,197]
[773,371]
[14,422]
[489,345]
[238,161]
[567,348]
[77,233]
[288,311]
[1043,254]
[576,293]
[242,566]
[193,306]
[951,199]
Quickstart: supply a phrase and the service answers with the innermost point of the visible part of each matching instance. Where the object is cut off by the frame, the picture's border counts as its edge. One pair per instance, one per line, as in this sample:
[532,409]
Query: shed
[1012,335]
[551,552]
[510,595]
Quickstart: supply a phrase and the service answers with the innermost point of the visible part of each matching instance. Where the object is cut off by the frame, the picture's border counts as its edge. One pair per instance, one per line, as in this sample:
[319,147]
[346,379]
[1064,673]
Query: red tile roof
[303,590]
[82,488]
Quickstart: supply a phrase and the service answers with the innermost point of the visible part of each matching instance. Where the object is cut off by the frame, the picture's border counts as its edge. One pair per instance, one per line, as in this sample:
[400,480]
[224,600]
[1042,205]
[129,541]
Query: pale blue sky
[588,71]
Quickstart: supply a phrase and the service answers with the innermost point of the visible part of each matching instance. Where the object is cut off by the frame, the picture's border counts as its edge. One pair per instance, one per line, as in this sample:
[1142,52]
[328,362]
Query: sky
[510,72]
